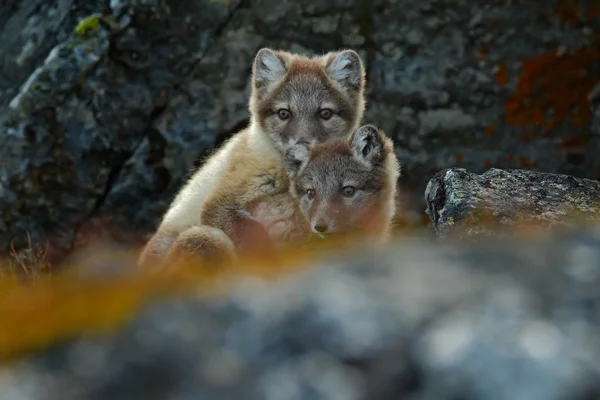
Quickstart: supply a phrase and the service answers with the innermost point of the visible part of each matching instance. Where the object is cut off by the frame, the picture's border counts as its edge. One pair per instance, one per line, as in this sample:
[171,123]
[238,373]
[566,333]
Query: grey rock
[67,146]
[444,120]
[503,320]
[29,31]
[461,203]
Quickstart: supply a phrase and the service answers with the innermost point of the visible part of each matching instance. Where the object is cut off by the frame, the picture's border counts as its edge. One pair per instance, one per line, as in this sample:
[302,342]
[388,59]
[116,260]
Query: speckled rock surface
[118,117]
[512,320]
[461,203]
[77,126]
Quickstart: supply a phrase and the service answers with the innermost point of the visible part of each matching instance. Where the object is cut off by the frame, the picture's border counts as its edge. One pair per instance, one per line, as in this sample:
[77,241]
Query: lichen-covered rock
[461,203]
[28,32]
[472,84]
[504,320]
[83,114]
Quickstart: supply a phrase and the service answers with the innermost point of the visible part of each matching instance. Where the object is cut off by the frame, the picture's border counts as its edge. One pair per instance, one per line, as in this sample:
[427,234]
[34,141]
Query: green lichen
[87,25]
[451,221]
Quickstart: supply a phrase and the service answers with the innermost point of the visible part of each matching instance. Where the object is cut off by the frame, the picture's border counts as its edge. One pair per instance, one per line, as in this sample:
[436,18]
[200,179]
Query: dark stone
[461,203]
[92,128]
[503,320]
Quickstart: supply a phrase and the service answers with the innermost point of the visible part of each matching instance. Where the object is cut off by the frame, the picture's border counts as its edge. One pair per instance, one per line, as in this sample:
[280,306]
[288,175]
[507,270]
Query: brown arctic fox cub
[294,98]
[346,186]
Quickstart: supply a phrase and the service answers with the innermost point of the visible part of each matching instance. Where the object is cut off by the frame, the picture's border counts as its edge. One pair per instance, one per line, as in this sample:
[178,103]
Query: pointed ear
[296,158]
[269,68]
[368,146]
[346,69]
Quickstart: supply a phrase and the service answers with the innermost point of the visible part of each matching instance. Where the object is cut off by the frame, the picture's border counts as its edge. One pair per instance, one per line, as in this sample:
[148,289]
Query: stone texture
[461,203]
[108,129]
[78,124]
[503,320]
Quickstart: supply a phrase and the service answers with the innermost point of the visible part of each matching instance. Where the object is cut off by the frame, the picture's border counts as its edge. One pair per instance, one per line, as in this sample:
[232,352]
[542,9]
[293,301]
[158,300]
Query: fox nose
[320,227]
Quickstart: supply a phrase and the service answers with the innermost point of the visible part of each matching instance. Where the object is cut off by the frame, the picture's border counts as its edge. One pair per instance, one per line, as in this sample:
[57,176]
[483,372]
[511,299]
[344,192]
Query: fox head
[344,186]
[297,98]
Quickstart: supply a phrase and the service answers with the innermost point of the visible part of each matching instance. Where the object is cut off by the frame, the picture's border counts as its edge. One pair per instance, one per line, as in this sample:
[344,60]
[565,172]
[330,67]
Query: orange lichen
[486,163]
[553,88]
[482,54]
[572,13]
[52,309]
[575,143]
[525,162]
[490,130]
[567,12]
[528,136]
[458,158]
[68,305]
[502,74]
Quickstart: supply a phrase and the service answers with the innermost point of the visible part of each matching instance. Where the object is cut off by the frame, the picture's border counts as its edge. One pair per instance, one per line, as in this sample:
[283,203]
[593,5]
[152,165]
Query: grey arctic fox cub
[344,186]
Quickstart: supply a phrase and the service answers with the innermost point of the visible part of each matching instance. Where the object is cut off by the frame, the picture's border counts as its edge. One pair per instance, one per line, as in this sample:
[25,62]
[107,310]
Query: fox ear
[296,158]
[346,69]
[367,145]
[269,67]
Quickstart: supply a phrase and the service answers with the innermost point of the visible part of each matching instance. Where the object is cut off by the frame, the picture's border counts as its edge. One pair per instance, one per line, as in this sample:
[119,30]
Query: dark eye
[325,113]
[348,191]
[283,113]
[310,193]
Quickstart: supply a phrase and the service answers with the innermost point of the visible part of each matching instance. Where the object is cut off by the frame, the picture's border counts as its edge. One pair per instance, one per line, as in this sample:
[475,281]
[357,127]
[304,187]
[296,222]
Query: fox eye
[283,114]
[310,193]
[348,191]
[325,113]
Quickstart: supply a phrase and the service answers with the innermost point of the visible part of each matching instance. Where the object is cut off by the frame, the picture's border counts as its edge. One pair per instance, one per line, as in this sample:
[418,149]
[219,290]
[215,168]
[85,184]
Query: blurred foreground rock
[108,116]
[503,320]
[461,203]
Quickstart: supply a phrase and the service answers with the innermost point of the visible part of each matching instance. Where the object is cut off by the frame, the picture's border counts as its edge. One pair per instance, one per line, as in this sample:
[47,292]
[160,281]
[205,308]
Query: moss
[87,25]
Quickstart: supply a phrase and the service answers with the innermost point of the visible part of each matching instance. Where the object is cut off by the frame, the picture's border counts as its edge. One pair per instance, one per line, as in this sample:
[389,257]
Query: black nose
[321,228]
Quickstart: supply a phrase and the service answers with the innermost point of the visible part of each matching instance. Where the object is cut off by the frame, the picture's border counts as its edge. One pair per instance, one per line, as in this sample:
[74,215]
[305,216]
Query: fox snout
[307,129]
[322,227]
[327,222]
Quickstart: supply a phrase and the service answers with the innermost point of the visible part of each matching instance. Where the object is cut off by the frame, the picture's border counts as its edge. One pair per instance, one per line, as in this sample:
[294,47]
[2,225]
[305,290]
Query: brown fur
[212,243]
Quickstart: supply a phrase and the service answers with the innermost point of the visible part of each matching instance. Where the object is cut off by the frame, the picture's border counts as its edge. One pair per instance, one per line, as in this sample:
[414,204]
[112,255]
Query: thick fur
[294,98]
[320,174]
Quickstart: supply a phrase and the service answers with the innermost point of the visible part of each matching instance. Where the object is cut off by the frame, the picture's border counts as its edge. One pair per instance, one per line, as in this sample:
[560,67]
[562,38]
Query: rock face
[106,129]
[499,321]
[460,203]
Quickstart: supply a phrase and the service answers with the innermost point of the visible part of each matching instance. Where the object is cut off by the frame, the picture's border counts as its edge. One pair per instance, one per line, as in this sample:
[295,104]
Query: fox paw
[203,243]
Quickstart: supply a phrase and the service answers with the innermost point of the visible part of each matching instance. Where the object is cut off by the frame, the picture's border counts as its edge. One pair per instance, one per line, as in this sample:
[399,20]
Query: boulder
[503,320]
[461,203]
